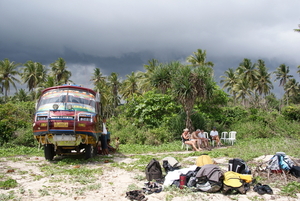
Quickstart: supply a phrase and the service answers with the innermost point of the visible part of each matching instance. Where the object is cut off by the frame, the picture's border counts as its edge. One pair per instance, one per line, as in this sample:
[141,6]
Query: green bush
[24,136]
[13,117]
[291,112]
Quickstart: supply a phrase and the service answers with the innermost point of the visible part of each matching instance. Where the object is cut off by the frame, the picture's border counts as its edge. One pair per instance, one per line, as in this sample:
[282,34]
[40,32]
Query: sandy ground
[111,185]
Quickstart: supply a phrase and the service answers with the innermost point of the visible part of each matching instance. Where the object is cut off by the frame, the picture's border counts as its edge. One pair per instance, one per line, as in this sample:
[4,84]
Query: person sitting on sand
[186,138]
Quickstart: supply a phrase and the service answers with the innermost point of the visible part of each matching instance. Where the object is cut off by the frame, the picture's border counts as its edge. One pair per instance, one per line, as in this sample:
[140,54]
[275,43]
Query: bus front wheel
[49,151]
[89,151]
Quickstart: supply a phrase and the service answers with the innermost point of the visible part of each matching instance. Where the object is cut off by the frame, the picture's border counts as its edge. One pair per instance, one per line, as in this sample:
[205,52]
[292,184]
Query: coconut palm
[33,74]
[60,72]
[130,85]
[248,71]
[298,69]
[199,59]
[21,96]
[97,77]
[264,83]
[291,89]
[230,79]
[242,90]
[282,74]
[114,83]
[145,77]
[7,72]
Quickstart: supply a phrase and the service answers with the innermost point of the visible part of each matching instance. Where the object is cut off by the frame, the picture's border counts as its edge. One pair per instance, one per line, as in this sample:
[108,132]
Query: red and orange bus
[67,121]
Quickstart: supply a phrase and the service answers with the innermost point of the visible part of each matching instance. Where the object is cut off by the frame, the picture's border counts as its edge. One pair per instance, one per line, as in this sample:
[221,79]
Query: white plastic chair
[224,136]
[187,146]
[206,136]
[232,137]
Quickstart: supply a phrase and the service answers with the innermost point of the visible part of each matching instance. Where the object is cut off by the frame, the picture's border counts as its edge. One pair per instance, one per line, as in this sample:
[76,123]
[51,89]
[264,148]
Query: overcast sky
[122,35]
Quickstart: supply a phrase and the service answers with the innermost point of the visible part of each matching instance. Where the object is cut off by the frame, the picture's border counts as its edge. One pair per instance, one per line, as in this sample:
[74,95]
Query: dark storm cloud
[121,36]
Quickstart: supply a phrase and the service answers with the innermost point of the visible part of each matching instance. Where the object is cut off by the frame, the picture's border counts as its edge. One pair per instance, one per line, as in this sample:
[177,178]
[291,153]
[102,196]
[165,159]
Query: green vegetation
[9,183]
[158,104]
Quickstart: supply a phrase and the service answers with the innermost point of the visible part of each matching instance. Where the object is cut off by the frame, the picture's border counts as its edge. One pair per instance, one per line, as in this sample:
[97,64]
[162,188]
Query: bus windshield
[80,100]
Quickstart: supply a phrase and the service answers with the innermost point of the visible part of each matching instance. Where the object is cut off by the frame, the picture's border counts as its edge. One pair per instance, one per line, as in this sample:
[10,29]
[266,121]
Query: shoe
[262,189]
[267,189]
[259,189]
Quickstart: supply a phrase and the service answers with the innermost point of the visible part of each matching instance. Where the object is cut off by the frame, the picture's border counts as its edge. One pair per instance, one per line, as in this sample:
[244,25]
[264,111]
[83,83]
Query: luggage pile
[206,176]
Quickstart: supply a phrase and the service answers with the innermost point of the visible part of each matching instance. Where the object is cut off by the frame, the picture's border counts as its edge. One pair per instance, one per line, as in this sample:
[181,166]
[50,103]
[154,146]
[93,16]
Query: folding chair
[224,137]
[232,137]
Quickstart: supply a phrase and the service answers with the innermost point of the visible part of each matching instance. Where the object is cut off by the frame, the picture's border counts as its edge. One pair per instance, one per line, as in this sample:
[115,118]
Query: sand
[34,184]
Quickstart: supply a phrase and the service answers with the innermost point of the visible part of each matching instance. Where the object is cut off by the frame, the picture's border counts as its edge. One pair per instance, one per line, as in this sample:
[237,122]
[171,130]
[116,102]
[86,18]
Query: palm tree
[199,59]
[242,90]
[33,74]
[130,85]
[291,89]
[264,83]
[230,79]
[153,63]
[282,74]
[145,77]
[114,83]
[248,71]
[7,72]
[21,96]
[162,75]
[189,84]
[298,69]
[60,72]
[97,77]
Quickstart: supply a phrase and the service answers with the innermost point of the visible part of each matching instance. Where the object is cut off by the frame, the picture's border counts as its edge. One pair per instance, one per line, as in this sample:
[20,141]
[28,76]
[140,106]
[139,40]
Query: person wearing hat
[215,136]
[186,138]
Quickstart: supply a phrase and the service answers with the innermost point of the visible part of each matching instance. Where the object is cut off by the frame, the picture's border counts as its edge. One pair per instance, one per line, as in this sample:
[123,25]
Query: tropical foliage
[153,106]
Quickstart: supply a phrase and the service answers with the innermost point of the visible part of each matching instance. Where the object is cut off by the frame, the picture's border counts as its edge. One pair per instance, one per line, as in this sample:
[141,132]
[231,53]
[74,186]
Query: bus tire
[49,152]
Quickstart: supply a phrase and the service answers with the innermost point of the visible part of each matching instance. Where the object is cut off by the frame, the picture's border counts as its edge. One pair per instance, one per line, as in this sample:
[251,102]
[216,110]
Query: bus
[67,121]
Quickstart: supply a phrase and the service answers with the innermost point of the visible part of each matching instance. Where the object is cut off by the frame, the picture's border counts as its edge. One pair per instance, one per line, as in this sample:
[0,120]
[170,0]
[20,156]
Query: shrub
[291,112]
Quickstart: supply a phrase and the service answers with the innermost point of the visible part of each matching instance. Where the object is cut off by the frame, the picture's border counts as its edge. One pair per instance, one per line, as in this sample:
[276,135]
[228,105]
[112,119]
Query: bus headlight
[55,106]
[69,107]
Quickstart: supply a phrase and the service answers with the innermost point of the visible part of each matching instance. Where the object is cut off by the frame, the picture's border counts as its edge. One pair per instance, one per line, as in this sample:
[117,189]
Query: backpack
[204,159]
[280,162]
[209,178]
[170,164]
[239,166]
[235,182]
[153,170]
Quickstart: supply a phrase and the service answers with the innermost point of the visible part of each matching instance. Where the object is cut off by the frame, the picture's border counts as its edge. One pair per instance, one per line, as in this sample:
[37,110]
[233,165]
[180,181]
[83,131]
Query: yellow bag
[232,179]
[204,159]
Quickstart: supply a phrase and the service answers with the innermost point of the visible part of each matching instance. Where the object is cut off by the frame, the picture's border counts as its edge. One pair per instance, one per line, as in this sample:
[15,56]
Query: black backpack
[153,170]
[239,166]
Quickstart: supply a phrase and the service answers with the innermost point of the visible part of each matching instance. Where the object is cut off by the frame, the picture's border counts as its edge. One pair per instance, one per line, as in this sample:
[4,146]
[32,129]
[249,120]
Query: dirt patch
[36,182]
